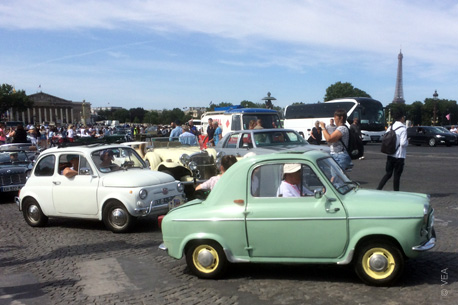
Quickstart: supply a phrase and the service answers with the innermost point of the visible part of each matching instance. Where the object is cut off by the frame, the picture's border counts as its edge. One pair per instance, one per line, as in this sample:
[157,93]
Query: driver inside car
[290,185]
[106,156]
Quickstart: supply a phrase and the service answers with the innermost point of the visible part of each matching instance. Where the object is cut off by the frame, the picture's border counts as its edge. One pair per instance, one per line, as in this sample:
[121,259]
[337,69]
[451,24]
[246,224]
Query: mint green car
[249,218]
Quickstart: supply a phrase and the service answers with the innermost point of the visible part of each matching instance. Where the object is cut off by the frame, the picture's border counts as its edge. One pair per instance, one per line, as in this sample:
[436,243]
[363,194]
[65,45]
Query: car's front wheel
[116,217]
[206,259]
[33,214]
[379,263]
[432,142]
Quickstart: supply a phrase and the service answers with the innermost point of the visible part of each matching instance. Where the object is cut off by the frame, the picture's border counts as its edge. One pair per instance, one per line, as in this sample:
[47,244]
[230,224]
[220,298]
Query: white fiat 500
[105,182]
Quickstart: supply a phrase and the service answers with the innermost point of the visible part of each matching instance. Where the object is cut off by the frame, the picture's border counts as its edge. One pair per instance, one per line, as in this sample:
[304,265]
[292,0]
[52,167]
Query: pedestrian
[217,136]
[187,137]
[395,162]
[315,135]
[357,129]
[19,135]
[331,127]
[338,139]
[176,132]
[2,134]
[210,133]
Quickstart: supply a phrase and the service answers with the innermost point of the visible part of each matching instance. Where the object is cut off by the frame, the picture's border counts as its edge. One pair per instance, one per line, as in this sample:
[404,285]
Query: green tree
[138,113]
[415,113]
[340,90]
[10,98]
[151,117]
[122,115]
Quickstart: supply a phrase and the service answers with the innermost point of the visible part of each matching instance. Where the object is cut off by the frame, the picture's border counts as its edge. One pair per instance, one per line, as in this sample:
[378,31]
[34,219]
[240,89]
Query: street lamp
[435,95]
[269,100]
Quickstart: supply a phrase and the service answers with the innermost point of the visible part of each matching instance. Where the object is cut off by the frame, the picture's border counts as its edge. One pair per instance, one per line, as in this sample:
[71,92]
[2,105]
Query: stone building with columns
[52,110]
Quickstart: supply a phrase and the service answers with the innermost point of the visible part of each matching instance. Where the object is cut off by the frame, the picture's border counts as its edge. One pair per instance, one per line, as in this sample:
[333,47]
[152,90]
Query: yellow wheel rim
[378,263]
[205,258]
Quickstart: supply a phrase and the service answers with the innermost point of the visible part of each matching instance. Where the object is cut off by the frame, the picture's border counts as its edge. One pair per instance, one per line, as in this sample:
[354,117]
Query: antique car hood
[135,178]
[174,153]
[362,203]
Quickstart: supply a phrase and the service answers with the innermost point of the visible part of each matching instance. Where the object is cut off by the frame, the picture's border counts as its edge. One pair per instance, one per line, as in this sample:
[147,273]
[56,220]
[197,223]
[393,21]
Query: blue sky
[166,54]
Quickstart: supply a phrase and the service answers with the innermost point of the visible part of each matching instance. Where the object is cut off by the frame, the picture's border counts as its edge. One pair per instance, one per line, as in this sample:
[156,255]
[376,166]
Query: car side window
[246,141]
[265,180]
[284,180]
[45,167]
[232,141]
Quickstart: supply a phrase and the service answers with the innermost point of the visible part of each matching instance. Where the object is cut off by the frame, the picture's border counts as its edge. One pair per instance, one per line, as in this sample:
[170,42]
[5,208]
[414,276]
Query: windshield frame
[123,158]
[335,175]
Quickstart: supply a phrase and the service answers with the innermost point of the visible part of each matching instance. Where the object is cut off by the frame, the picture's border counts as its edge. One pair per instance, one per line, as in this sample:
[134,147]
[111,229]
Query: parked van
[237,118]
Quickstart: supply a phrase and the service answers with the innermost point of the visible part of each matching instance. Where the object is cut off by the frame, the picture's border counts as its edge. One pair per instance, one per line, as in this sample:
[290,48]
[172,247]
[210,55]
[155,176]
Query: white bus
[370,113]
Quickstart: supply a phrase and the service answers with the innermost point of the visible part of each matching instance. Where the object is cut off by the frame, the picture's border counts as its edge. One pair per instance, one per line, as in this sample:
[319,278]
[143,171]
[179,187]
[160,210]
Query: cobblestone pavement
[80,262]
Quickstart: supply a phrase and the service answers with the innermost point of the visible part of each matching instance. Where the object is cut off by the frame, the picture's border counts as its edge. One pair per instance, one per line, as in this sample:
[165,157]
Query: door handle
[56,182]
[332,210]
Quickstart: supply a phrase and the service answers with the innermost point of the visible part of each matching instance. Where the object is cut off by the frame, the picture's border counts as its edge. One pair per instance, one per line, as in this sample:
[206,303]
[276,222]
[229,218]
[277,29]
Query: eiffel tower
[399,92]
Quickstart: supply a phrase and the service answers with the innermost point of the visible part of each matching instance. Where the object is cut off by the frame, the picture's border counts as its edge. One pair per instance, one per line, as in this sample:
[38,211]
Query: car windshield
[276,138]
[116,158]
[336,175]
[13,157]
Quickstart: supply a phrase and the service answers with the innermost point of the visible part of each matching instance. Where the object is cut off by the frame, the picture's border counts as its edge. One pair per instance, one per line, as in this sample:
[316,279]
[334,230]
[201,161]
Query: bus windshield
[371,115]
[268,120]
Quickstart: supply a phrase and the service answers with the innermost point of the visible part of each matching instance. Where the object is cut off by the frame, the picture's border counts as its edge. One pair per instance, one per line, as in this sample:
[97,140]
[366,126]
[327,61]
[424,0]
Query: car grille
[205,165]
[12,179]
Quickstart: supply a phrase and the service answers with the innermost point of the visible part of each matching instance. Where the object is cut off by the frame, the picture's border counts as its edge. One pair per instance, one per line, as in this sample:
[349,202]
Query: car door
[76,195]
[295,227]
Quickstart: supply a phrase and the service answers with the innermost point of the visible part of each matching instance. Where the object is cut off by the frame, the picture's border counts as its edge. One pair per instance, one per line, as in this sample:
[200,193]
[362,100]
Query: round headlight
[143,193]
[185,159]
[192,165]
[180,187]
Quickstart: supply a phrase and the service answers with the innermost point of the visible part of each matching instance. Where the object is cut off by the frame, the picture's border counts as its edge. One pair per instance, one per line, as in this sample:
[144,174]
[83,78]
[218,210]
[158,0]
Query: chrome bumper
[426,246]
[162,247]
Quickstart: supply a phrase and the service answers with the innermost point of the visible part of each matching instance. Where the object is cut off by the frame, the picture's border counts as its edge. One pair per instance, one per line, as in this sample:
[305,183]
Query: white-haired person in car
[291,183]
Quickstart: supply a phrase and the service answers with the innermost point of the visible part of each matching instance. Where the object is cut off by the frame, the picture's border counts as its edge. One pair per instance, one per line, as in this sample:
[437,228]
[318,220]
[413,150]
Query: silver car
[264,141]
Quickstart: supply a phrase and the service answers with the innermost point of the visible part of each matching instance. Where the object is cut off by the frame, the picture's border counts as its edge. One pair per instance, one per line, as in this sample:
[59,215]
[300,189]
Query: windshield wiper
[355,183]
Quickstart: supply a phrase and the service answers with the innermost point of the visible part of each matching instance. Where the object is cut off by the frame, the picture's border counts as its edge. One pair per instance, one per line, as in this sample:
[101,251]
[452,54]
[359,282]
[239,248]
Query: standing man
[357,129]
[210,132]
[395,162]
[331,127]
[176,132]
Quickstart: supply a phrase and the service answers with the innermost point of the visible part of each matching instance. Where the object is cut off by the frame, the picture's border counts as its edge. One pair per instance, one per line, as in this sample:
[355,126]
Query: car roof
[263,130]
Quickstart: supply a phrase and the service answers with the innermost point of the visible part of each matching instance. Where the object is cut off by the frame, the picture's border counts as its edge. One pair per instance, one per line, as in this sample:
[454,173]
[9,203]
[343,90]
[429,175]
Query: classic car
[246,219]
[111,183]
[15,167]
[264,141]
[188,164]
[430,135]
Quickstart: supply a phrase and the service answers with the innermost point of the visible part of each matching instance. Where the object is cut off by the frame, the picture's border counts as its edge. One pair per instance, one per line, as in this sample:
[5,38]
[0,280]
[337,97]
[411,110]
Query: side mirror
[318,193]
[85,171]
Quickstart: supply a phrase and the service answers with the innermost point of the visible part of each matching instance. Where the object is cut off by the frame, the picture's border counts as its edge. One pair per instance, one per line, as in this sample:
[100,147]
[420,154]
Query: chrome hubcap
[378,262]
[34,213]
[205,258]
[118,217]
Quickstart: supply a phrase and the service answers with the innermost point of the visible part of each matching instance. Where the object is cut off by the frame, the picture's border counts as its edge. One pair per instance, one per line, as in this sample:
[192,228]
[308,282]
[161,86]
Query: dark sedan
[264,141]
[15,166]
[430,135]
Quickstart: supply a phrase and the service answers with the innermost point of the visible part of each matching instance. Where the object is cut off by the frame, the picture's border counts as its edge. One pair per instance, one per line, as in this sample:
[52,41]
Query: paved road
[80,262]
